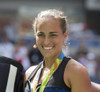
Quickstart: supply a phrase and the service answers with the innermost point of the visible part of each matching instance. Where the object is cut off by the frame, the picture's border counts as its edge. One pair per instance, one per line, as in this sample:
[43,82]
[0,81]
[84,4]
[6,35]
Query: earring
[34,46]
[66,44]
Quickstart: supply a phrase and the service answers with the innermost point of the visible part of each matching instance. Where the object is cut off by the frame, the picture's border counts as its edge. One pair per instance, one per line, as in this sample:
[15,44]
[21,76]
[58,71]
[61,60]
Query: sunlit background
[17,36]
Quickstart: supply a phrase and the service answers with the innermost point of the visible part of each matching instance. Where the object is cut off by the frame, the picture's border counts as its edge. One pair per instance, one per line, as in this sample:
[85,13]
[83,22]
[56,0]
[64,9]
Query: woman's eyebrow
[53,32]
[40,32]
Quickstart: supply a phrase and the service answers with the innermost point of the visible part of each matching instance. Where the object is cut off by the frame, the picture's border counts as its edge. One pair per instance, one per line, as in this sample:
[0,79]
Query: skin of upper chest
[43,74]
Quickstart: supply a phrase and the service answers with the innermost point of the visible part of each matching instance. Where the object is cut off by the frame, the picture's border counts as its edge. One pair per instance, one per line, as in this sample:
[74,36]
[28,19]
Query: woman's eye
[41,35]
[53,35]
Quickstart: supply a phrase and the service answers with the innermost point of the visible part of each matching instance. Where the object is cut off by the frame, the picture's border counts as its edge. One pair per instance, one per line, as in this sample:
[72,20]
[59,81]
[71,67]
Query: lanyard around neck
[52,70]
[49,74]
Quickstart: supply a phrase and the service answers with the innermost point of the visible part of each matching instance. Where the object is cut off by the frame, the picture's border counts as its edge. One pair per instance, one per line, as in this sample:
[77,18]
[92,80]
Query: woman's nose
[46,40]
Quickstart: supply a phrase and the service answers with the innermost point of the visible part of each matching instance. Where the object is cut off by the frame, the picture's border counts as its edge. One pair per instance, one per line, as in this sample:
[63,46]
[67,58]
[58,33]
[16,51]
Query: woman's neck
[48,61]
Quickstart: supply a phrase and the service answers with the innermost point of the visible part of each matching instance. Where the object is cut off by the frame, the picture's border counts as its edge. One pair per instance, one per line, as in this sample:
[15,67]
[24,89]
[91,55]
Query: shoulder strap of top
[32,74]
[34,71]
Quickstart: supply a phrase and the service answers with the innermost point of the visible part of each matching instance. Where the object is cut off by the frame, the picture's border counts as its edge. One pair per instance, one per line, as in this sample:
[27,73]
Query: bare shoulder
[29,71]
[74,66]
[76,74]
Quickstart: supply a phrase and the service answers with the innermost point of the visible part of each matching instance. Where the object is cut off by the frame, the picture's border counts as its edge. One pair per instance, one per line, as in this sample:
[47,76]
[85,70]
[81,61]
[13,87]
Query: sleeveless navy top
[56,82]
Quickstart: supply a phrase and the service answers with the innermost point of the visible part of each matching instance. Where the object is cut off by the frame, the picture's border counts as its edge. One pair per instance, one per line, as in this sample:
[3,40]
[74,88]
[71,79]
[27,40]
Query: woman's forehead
[48,22]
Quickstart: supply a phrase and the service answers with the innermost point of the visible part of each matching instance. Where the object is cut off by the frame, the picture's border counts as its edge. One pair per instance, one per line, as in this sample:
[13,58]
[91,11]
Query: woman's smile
[47,48]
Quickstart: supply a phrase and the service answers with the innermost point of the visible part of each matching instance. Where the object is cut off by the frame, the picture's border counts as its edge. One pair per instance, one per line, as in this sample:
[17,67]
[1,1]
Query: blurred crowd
[16,46]
[24,51]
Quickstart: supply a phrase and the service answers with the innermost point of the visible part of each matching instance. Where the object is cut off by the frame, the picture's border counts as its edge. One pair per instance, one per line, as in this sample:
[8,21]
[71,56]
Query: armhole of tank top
[67,59]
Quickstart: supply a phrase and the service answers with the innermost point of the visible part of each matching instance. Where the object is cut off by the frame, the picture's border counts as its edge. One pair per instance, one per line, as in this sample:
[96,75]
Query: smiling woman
[56,73]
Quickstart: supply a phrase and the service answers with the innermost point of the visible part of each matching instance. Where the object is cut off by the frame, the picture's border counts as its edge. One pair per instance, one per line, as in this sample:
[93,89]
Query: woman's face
[49,37]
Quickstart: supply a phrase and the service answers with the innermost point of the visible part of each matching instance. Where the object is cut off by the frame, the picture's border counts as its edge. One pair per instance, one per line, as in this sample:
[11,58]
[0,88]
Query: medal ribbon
[49,74]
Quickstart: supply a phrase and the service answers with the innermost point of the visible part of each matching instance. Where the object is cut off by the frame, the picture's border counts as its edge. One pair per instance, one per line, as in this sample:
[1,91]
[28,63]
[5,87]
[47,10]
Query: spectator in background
[82,49]
[21,53]
[6,47]
[81,31]
[91,65]
[87,59]
[87,32]
[81,53]
[11,30]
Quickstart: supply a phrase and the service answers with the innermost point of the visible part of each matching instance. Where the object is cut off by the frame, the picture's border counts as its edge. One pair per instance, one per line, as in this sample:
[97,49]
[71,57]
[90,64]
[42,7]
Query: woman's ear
[65,34]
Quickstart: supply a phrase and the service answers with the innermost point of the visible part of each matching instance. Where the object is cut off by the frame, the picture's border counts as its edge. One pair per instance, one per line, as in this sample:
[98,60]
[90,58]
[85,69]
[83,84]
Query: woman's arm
[95,87]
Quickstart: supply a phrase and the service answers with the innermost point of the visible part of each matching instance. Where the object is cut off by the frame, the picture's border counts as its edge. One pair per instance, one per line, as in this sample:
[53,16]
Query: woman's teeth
[47,48]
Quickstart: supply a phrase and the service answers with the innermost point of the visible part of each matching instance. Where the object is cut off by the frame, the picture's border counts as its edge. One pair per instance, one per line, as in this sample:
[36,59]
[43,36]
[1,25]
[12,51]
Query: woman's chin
[46,54]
